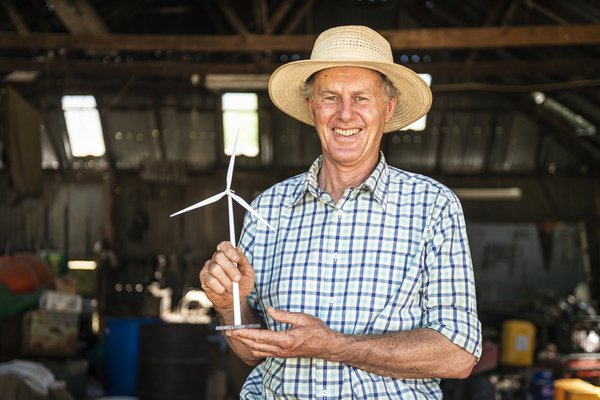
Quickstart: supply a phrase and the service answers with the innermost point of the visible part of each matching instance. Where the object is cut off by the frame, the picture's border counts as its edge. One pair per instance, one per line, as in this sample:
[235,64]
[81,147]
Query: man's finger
[231,253]
[271,342]
[224,246]
[285,316]
[227,265]
[214,277]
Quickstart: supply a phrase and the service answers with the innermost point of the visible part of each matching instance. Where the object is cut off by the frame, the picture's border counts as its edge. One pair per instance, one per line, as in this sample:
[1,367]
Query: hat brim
[414,95]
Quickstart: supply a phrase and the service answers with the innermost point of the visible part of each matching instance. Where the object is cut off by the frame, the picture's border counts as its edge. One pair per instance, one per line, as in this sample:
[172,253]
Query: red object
[25,273]
[489,357]
[583,365]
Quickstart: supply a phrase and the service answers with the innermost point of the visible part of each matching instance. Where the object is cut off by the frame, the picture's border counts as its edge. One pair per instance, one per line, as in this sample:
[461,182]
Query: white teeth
[346,132]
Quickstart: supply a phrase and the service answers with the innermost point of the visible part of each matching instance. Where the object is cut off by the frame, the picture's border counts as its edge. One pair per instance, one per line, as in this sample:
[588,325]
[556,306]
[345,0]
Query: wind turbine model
[237,318]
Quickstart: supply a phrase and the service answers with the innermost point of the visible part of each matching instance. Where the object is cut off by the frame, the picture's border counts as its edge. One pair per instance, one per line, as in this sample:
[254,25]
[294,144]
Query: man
[367,287]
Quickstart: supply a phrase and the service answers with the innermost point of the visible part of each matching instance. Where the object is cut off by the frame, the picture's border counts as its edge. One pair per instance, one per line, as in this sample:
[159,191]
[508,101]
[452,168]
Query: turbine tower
[237,318]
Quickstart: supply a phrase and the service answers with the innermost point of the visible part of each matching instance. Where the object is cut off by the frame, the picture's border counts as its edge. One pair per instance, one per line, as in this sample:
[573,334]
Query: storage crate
[52,300]
[50,333]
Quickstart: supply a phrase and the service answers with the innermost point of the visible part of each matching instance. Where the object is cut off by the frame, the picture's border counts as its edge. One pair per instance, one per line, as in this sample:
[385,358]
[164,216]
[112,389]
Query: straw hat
[357,46]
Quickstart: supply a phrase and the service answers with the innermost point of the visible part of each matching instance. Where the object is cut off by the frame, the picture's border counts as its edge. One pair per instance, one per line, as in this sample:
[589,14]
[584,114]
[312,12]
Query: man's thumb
[283,316]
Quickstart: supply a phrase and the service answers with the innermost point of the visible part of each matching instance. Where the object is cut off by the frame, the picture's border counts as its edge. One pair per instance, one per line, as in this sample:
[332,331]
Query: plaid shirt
[391,255]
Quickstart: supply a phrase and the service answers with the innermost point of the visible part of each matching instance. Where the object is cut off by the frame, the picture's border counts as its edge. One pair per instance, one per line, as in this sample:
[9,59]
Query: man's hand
[412,354]
[308,336]
[228,264]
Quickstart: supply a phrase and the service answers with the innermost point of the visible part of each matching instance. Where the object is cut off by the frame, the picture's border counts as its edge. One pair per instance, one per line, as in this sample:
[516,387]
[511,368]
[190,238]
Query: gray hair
[389,90]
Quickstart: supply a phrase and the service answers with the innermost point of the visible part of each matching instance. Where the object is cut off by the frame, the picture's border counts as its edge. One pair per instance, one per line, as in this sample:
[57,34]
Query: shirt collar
[309,184]
[376,183]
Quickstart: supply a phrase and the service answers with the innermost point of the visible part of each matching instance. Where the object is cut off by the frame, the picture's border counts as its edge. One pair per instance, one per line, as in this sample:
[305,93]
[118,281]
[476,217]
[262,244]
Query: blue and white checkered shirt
[391,255]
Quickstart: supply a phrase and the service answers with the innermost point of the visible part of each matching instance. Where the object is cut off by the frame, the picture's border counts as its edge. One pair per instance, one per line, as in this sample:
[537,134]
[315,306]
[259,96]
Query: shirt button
[335,256]
[331,300]
[340,213]
[324,392]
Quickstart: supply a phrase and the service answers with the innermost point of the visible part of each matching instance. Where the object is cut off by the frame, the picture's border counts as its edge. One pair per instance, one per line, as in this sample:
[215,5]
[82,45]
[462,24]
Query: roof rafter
[585,66]
[79,17]
[300,15]
[15,18]
[405,39]
[232,17]
[279,14]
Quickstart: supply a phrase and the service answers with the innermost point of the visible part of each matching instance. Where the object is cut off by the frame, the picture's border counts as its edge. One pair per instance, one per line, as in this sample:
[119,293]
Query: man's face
[349,110]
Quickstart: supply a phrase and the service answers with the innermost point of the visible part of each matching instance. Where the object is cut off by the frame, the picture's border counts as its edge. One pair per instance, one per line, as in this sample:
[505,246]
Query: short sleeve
[449,287]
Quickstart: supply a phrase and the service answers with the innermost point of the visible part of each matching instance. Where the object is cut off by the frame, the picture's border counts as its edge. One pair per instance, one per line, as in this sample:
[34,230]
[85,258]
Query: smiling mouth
[346,132]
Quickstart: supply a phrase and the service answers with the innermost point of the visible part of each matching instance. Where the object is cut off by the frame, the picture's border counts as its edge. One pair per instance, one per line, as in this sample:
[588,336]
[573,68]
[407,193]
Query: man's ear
[391,108]
[309,105]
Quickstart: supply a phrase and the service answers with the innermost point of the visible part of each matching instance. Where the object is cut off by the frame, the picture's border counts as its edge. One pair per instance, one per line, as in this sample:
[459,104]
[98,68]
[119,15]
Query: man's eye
[361,99]
[330,98]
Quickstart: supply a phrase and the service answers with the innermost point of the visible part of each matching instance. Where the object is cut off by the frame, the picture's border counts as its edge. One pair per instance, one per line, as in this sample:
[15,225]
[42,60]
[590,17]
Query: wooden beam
[232,17]
[307,5]
[406,39]
[261,16]
[557,66]
[279,14]
[142,68]
[79,17]
[491,19]
[514,88]
[15,17]
[510,13]
[543,10]
[494,37]
[578,66]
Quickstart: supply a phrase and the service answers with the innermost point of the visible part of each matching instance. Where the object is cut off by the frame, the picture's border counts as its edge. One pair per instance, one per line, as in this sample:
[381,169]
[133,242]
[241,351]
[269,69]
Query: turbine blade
[252,211]
[232,160]
[230,170]
[202,203]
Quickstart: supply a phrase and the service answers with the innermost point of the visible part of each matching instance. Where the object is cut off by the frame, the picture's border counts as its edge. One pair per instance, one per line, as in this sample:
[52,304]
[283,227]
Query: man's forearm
[420,353]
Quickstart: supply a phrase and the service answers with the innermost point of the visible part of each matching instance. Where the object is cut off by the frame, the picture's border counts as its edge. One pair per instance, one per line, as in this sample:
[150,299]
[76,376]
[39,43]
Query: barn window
[240,113]
[83,126]
[421,123]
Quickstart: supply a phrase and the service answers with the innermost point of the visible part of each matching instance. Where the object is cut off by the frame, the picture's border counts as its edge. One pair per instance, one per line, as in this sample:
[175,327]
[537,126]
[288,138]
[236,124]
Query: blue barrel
[542,385]
[122,347]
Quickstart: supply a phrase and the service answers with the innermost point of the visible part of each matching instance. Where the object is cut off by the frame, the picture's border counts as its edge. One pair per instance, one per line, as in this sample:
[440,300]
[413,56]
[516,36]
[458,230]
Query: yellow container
[575,389]
[518,343]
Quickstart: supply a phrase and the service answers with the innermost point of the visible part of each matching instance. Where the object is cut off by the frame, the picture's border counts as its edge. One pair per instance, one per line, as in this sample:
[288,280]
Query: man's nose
[345,109]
